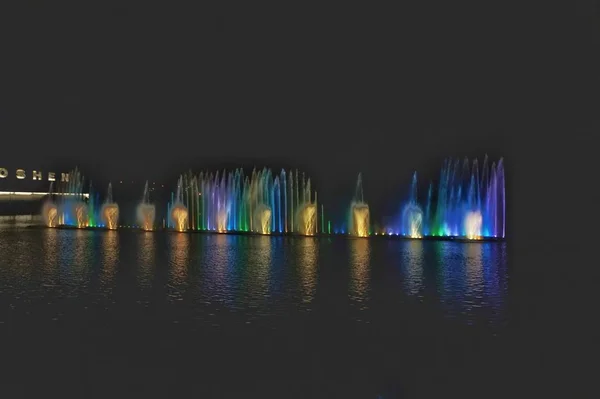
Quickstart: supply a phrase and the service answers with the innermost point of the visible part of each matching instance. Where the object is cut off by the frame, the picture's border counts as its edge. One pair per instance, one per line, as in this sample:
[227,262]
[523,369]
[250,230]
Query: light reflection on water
[79,264]
[179,254]
[474,275]
[467,278]
[51,258]
[360,264]
[413,280]
[220,257]
[110,260]
[255,273]
[308,254]
[146,247]
[255,276]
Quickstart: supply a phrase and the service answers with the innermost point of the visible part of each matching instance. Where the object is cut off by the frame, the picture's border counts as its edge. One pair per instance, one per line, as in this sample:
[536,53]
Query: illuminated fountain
[236,202]
[306,217]
[50,214]
[179,217]
[468,204]
[179,212]
[412,214]
[307,220]
[93,211]
[222,218]
[359,220]
[50,210]
[81,214]
[71,201]
[463,194]
[146,211]
[473,222]
[262,219]
[110,211]
[412,221]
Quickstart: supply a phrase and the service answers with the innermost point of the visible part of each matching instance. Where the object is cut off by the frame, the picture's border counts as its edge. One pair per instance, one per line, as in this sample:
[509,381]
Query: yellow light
[37,193]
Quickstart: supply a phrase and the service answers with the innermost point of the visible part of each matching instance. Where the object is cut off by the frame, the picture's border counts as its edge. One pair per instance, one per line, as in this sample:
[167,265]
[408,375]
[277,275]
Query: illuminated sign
[35,175]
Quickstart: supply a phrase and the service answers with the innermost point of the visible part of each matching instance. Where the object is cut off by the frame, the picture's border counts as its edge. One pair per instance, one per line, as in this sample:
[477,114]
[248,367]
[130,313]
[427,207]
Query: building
[22,190]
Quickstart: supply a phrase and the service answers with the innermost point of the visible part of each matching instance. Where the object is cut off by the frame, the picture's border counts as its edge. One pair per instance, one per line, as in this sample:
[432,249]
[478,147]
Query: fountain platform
[378,236]
[435,238]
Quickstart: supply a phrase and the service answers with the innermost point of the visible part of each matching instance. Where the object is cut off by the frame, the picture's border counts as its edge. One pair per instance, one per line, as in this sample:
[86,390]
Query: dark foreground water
[107,314]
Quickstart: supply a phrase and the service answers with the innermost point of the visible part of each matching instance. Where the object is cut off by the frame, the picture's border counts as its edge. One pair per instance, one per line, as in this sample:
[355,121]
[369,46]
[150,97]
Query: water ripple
[223,279]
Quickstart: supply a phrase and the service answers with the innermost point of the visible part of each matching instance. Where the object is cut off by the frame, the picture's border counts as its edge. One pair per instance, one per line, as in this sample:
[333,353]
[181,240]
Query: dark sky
[142,92]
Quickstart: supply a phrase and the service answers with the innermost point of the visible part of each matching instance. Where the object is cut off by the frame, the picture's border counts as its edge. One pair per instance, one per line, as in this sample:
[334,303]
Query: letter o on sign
[3,173]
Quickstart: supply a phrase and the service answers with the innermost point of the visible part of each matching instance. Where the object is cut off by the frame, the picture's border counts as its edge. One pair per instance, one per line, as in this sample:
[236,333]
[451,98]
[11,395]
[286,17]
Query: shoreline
[276,234]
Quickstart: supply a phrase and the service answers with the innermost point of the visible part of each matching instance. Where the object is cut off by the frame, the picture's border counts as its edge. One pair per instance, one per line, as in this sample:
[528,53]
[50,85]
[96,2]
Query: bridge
[32,196]
[27,202]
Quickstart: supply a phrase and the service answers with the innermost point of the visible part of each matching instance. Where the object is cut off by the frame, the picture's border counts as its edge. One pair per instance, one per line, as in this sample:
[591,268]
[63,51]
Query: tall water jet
[179,217]
[307,211]
[81,214]
[469,202]
[359,220]
[307,219]
[179,212]
[262,219]
[50,214]
[412,214]
[473,222]
[71,199]
[92,212]
[427,216]
[231,201]
[222,219]
[50,210]
[110,211]
[146,212]
[412,221]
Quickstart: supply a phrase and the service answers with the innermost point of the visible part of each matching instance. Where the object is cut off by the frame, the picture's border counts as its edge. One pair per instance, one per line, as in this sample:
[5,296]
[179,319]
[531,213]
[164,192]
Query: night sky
[137,93]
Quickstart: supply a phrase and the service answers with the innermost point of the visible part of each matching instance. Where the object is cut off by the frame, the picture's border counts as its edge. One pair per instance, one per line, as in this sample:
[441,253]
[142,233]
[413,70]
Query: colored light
[468,204]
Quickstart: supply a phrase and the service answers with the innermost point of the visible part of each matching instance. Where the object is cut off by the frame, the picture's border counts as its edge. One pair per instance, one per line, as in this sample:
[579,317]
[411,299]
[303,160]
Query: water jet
[110,211]
[359,221]
[146,212]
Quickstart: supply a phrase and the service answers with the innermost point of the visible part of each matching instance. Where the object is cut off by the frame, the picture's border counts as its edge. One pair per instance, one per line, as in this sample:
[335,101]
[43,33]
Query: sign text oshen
[36,175]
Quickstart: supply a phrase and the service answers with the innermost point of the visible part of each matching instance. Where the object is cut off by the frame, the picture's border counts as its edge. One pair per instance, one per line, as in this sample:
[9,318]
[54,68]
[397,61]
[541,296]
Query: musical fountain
[110,211]
[473,222]
[262,219]
[50,210]
[71,208]
[179,212]
[412,214]
[261,202]
[468,204]
[80,210]
[50,214]
[359,220]
[306,217]
[146,212]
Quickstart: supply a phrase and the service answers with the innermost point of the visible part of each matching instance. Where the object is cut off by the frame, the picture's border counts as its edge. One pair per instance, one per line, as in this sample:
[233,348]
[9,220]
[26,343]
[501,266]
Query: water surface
[287,315]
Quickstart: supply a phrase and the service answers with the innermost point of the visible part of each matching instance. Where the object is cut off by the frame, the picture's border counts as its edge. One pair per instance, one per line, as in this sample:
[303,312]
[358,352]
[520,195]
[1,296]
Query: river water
[96,313]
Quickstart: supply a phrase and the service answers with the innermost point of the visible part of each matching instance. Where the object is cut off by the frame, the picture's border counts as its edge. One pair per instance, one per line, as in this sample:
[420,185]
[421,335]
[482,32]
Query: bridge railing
[40,194]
